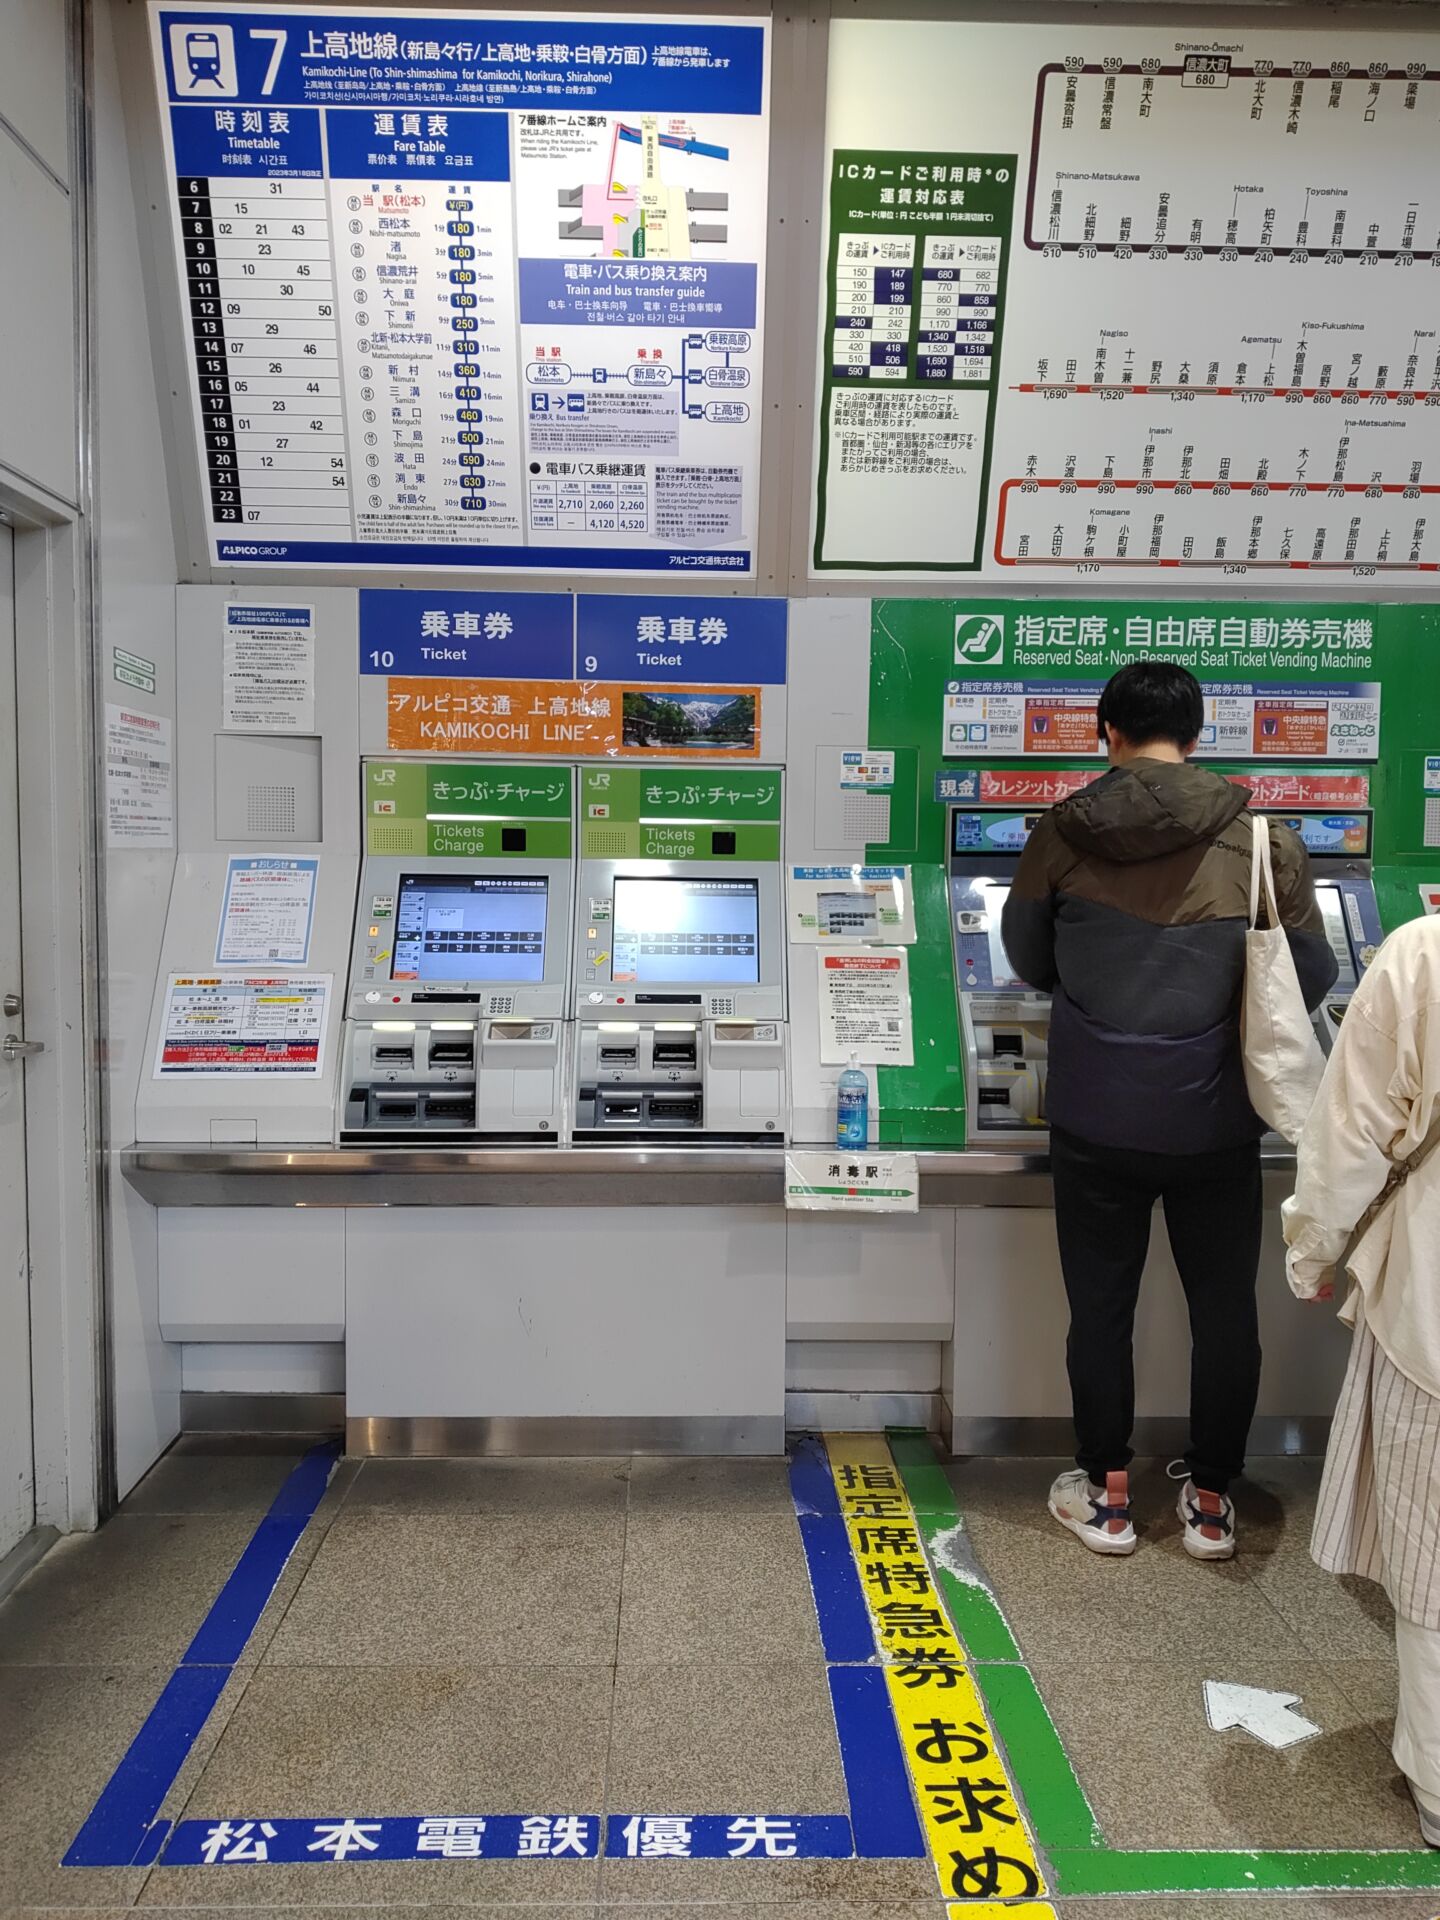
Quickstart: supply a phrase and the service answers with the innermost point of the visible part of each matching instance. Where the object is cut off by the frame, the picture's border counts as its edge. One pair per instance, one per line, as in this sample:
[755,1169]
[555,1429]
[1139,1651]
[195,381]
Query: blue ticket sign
[702,640]
[466,290]
[467,636]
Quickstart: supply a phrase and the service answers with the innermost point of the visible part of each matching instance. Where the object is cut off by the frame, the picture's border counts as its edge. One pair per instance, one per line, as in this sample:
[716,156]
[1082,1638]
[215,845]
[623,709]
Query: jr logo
[979,639]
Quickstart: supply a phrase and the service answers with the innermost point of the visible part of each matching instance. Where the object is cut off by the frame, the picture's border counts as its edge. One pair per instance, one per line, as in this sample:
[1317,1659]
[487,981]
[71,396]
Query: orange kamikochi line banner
[572,719]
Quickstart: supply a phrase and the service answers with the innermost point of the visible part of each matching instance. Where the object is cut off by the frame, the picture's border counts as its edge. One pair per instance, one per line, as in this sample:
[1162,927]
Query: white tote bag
[1283,1057]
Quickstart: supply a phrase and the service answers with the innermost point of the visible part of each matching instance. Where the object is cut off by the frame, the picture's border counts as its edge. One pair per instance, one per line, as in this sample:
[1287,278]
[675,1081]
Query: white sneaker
[1208,1520]
[1100,1516]
[1429,1815]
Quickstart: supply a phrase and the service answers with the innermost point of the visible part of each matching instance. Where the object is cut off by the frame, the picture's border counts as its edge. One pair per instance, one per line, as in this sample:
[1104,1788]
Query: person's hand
[1310,1279]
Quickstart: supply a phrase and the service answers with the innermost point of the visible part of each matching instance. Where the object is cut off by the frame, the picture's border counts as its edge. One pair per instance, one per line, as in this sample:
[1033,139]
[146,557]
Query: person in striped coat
[1365,1163]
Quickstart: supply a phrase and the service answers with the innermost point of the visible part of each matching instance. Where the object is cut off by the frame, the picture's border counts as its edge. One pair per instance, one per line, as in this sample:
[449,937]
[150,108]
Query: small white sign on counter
[865,1006]
[834,1180]
[851,903]
[269,669]
[269,905]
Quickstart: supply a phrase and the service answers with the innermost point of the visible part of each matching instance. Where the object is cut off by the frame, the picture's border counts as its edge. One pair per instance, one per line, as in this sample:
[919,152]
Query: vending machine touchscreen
[460,962]
[1339,845]
[680,1002]
[1004,1024]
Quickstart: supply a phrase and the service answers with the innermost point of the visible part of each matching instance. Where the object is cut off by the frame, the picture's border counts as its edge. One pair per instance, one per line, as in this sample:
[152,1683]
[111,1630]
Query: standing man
[1130,907]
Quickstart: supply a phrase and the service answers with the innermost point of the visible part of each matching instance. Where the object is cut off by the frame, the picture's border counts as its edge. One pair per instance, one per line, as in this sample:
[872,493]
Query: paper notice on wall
[836,904]
[268,908]
[865,1006]
[139,779]
[223,1024]
[269,669]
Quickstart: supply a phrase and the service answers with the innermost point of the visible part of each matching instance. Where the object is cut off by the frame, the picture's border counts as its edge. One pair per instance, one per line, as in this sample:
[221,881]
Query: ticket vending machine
[460,964]
[679,974]
[1005,1025]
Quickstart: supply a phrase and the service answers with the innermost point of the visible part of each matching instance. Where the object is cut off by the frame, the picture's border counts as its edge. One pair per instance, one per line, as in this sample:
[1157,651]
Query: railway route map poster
[1171,312]
[471,290]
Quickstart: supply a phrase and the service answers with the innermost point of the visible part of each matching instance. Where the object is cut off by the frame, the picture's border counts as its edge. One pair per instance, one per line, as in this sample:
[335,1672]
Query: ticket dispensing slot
[459,968]
[680,1002]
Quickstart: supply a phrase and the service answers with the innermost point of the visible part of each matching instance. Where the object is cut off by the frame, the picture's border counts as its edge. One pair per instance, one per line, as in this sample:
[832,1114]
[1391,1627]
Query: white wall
[136,611]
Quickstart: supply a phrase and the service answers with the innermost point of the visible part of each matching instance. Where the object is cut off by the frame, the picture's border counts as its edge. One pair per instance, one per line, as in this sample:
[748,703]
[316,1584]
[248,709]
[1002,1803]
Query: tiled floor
[601,1635]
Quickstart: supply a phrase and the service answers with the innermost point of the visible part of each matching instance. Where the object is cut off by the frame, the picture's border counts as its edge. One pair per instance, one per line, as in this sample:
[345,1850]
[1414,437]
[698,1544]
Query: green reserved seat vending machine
[1318,708]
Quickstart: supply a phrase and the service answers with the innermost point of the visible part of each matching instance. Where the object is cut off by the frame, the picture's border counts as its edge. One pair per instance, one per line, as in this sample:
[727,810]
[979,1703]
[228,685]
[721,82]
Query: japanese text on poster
[865,1006]
[237,1023]
[267,911]
[468,290]
[139,773]
[1219,356]
[269,668]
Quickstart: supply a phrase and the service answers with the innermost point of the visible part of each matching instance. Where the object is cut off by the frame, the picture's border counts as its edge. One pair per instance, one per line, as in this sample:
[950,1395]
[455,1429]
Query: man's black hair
[1152,700]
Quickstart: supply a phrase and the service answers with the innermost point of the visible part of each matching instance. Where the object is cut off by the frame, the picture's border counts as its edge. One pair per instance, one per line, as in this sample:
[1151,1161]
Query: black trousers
[1104,1197]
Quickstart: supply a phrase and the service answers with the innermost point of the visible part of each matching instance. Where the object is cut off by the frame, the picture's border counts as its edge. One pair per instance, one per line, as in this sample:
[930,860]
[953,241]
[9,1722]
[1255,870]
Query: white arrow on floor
[1267,1715]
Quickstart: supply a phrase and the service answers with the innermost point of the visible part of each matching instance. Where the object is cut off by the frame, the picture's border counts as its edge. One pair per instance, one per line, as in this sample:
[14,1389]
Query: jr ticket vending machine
[1005,1025]
[679,970]
[460,963]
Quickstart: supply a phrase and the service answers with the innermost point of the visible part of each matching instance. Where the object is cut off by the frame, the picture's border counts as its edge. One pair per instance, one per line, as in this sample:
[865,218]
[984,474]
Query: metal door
[17,1437]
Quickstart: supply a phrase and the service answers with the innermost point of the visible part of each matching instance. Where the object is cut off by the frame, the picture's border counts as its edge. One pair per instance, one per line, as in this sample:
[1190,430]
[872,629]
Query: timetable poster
[471,290]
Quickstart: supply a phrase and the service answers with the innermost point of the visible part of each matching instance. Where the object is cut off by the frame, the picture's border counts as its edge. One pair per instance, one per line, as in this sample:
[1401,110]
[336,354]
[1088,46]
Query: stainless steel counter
[317,1176]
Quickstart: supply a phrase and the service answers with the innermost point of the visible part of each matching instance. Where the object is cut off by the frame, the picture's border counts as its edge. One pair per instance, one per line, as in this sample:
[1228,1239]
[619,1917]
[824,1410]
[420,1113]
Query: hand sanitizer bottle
[852,1108]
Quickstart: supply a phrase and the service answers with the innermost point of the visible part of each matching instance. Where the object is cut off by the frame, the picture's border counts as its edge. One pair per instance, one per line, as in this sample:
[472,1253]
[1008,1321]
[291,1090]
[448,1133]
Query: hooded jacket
[1130,905]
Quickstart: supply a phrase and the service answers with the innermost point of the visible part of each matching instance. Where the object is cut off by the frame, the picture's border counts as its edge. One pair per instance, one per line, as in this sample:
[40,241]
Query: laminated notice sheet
[268,908]
[243,1023]
[865,1006]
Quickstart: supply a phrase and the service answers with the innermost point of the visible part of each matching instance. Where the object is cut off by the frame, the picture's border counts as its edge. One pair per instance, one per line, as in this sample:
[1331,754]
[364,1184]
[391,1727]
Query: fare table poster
[1310,703]
[471,289]
[1169,315]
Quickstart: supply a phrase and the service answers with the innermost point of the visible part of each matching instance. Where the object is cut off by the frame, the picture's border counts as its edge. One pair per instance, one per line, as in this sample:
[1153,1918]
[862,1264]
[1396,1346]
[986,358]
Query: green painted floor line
[1060,1815]
[1064,1826]
[1108,1870]
[983,1630]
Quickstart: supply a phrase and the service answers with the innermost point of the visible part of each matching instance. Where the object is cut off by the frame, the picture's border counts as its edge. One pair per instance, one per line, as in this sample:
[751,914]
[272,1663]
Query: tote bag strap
[1262,877]
[1400,1172]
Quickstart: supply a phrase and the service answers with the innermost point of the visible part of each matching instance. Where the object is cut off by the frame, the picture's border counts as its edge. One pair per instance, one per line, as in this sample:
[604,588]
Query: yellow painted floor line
[979,1842]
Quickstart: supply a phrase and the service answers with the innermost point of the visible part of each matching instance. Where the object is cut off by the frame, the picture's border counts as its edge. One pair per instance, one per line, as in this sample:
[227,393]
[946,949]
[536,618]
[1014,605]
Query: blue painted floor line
[124,1828]
[877,1781]
[120,1830]
[882,1807]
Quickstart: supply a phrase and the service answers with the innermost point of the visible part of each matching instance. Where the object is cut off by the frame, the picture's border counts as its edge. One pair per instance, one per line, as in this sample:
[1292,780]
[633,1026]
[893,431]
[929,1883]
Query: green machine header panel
[447,809]
[677,813]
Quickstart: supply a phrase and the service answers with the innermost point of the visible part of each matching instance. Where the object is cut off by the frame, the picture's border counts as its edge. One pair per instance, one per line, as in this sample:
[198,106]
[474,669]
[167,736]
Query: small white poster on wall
[268,909]
[851,903]
[139,779]
[269,669]
[865,1006]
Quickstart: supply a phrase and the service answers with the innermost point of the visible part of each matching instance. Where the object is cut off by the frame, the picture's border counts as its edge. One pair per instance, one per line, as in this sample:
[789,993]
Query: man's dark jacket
[1130,906]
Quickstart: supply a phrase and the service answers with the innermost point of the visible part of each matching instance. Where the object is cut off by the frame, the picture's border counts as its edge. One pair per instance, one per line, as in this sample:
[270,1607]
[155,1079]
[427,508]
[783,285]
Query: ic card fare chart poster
[1102,301]
[471,290]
